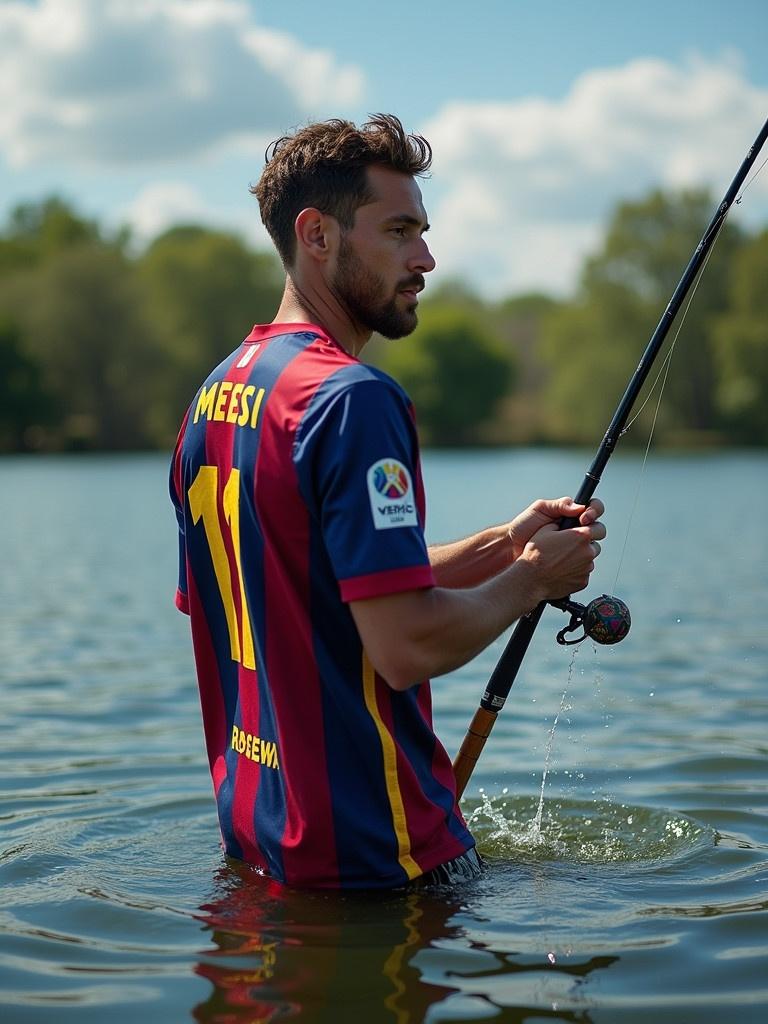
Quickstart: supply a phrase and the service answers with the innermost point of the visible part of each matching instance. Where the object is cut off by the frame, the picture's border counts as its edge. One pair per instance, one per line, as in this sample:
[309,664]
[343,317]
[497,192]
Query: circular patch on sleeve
[390,492]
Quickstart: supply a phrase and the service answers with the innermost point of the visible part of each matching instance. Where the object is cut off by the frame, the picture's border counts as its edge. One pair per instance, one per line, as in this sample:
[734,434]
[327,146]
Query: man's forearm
[412,635]
[468,562]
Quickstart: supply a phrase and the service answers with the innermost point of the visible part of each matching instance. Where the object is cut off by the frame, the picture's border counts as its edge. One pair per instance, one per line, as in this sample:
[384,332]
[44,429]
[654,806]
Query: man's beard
[362,292]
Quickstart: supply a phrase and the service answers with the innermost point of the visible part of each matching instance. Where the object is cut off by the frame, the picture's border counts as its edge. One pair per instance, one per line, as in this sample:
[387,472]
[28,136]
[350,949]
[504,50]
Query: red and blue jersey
[297,487]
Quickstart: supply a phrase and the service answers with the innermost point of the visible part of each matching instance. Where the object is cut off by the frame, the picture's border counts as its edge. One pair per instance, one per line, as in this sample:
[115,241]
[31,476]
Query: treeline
[102,348]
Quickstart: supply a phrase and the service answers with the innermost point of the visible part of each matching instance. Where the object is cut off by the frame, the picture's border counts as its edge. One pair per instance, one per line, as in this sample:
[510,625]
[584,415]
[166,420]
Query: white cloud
[126,81]
[164,203]
[160,205]
[524,187]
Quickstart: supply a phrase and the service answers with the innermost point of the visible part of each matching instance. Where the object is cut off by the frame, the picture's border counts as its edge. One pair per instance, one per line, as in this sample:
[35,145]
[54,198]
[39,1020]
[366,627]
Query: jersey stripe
[261,788]
[284,517]
[389,755]
[243,774]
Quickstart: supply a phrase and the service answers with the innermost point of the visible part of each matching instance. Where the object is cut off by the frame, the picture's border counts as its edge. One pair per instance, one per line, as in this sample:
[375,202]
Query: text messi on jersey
[229,402]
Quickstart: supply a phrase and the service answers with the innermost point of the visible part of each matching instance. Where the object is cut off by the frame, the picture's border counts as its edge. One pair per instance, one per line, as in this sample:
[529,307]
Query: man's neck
[312,306]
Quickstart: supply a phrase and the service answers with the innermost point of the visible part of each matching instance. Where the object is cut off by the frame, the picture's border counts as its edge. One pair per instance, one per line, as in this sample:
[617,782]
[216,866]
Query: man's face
[383,258]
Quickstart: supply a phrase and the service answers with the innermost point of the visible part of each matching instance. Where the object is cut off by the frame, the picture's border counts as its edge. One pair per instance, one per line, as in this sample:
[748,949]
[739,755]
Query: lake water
[646,898]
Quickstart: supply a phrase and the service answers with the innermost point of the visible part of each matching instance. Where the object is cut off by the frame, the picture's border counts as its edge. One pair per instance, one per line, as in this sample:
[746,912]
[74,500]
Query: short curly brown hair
[324,165]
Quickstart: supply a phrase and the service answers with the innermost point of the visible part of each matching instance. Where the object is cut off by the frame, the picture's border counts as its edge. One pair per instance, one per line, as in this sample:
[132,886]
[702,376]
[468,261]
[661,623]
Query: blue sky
[542,115]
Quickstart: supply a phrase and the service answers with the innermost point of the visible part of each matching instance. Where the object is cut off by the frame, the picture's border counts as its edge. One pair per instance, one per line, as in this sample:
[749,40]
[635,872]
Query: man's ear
[317,234]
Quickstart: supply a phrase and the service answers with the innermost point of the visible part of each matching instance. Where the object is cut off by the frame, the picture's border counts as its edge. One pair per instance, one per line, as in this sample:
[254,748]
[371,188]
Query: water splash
[597,832]
[503,829]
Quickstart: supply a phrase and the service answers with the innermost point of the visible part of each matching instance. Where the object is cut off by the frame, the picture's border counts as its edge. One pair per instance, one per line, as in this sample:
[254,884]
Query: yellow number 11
[204,502]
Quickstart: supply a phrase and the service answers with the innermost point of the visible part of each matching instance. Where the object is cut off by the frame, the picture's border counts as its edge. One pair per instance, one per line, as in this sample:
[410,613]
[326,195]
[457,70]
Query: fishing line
[664,372]
[739,197]
[662,376]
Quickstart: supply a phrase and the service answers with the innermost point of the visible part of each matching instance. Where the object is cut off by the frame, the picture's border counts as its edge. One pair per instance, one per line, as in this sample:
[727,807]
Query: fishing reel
[606,620]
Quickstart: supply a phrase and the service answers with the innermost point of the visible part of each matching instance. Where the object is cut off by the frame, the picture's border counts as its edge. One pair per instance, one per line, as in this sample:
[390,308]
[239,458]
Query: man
[317,612]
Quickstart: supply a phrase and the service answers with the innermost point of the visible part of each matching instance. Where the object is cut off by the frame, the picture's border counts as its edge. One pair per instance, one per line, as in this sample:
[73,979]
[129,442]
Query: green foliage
[83,329]
[592,345]
[202,291]
[103,348]
[741,347]
[36,231]
[50,226]
[519,322]
[120,344]
[24,403]
[456,372]
[591,350]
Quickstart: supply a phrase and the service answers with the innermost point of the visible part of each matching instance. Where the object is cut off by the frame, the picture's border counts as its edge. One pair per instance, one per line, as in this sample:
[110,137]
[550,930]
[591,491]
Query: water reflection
[281,953]
[402,957]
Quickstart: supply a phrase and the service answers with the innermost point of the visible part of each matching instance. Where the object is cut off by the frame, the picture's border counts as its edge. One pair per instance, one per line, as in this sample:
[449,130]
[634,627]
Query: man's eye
[399,231]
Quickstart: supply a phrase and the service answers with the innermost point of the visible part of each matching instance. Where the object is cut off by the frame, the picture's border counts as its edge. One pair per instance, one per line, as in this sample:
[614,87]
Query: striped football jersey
[297,487]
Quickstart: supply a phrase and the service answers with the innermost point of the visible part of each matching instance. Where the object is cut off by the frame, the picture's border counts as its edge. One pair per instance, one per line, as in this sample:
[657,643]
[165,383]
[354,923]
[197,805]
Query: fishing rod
[606,619]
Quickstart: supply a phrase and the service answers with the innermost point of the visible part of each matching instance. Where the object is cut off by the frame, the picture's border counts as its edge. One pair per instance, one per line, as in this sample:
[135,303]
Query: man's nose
[422,261]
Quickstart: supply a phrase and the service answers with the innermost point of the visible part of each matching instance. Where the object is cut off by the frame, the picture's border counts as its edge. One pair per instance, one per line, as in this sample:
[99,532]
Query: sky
[542,114]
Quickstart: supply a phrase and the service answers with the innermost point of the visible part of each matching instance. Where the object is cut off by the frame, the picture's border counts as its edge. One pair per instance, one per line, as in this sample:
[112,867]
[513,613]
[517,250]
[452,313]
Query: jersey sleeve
[358,464]
[182,598]
[176,491]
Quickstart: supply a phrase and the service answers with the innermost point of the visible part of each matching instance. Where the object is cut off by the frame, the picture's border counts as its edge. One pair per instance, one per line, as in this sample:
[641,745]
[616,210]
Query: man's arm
[419,634]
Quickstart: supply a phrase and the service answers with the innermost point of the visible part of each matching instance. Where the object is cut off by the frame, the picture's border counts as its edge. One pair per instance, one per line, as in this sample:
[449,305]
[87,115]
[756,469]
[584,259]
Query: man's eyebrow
[409,219]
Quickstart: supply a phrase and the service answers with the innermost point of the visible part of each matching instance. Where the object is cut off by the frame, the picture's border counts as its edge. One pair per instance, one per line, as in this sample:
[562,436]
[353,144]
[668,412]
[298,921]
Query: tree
[79,332]
[519,323]
[37,231]
[456,372]
[203,290]
[593,344]
[741,346]
[25,406]
[82,325]
[591,349]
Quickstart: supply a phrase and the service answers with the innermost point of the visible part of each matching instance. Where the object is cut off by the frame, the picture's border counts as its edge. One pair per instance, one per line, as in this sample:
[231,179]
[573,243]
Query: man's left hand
[550,510]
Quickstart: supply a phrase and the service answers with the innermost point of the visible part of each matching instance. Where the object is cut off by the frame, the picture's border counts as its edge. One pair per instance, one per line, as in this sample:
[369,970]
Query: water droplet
[630,820]
[552,958]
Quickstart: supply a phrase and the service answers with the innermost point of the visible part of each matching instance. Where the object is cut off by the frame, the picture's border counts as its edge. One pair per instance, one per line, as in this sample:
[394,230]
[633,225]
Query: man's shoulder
[368,380]
[350,400]
[356,390]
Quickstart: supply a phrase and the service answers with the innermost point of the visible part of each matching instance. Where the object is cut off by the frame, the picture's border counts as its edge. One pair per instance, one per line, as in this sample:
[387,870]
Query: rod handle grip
[478,732]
